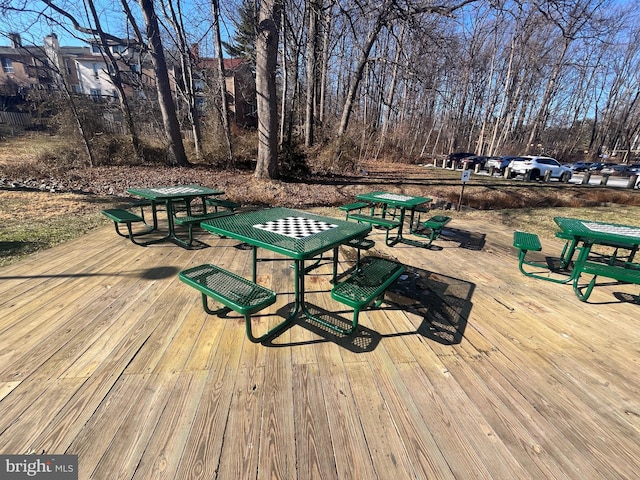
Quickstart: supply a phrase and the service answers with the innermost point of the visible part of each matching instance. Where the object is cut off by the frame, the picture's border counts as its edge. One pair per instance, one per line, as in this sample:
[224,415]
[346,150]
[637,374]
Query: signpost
[466,176]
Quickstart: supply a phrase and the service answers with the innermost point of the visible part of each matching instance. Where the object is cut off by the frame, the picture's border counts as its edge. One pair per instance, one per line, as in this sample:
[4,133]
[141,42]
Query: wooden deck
[474,371]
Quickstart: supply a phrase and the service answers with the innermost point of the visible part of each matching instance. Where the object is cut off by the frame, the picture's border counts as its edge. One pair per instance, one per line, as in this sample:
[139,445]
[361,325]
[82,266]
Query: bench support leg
[583,296]
[130,235]
[522,261]
[247,322]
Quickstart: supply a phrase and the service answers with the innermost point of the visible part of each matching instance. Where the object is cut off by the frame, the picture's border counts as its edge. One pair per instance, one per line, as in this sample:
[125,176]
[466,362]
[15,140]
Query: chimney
[16,41]
[51,41]
[195,51]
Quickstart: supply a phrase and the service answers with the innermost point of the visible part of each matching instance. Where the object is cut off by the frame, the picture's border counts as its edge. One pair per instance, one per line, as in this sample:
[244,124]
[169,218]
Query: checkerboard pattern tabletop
[295,227]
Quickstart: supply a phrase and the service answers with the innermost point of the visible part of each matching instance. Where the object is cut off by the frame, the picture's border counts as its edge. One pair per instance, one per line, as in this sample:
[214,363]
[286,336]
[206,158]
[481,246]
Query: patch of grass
[19,239]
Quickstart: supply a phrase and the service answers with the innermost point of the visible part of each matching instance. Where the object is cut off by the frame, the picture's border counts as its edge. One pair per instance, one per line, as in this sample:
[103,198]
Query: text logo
[39,467]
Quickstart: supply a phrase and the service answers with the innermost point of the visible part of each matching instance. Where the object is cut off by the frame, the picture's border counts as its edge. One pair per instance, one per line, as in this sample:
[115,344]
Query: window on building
[96,49]
[118,48]
[95,93]
[67,66]
[7,65]
[77,89]
[96,70]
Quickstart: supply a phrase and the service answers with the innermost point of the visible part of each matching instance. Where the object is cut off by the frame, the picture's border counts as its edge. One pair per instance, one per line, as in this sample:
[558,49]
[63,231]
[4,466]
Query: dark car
[499,163]
[598,166]
[470,162]
[581,166]
[617,171]
[454,159]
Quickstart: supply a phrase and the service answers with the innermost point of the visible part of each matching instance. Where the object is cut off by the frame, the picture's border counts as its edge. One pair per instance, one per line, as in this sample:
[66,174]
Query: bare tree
[224,109]
[312,49]
[173,14]
[115,73]
[176,152]
[385,13]
[266,62]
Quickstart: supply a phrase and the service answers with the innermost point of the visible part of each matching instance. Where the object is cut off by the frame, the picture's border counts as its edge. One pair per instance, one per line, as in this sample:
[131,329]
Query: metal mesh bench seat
[120,215]
[525,242]
[229,289]
[387,223]
[223,203]
[360,243]
[622,274]
[436,222]
[367,285]
[194,220]
[350,207]
[431,228]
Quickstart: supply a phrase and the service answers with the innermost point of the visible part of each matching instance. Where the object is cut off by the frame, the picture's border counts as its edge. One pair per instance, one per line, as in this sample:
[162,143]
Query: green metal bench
[434,225]
[367,285]
[353,206]
[223,203]
[195,220]
[530,242]
[360,243]
[622,274]
[120,215]
[387,223]
[231,290]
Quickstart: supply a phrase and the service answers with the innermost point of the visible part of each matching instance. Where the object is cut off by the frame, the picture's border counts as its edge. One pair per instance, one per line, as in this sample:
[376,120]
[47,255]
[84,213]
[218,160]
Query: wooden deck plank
[425,456]
[385,444]
[87,313]
[347,436]
[313,440]
[95,438]
[239,456]
[203,447]
[348,440]
[162,455]
[564,402]
[277,458]
[25,428]
[121,458]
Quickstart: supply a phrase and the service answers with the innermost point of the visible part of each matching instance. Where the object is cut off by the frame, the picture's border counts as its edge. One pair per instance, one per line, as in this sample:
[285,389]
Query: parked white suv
[539,166]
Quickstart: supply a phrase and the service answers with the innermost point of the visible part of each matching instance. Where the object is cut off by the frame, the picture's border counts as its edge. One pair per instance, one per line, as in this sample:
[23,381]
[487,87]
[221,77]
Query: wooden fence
[12,118]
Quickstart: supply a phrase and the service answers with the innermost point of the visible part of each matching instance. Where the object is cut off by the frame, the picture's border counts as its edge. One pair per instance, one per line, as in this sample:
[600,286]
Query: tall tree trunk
[312,42]
[387,103]
[266,63]
[176,153]
[224,112]
[187,60]
[285,84]
[325,64]
[541,115]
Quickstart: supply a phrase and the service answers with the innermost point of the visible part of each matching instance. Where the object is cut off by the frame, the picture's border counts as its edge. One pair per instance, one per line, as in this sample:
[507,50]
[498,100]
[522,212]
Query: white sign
[466,176]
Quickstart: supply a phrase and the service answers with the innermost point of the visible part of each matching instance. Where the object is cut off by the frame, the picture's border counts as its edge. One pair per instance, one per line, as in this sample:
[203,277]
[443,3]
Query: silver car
[538,166]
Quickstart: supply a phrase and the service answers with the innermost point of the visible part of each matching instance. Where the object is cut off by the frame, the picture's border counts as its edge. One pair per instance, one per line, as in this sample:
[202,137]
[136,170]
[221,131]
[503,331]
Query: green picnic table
[169,196]
[590,233]
[582,235]
[401,202]
[295,234]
